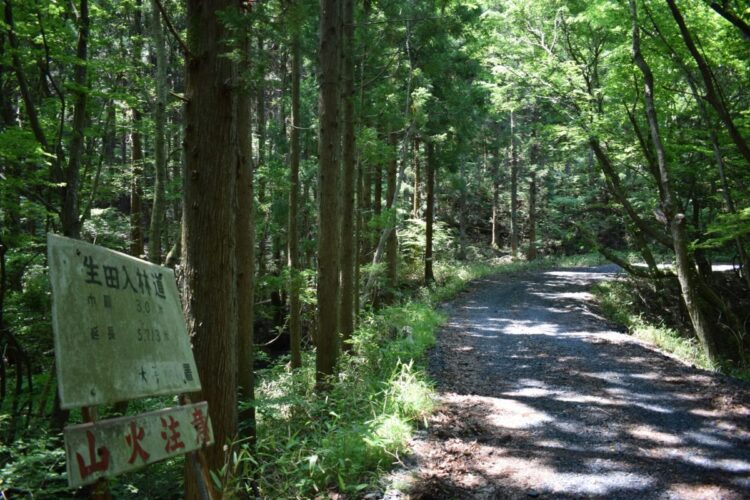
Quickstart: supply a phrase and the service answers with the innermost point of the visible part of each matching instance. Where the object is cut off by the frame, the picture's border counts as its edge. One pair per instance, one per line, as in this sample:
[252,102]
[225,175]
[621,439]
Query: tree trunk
[348,260]
[532,252]
[391,258]
[212,141]
[295,306]
[328,196]
[71,221]
[462,211]
[495,199]
[261,125]
[417,202]
[136,191]
[686,272]
[136,169]
[245,253]
[160,125]
[429,277]
[513,190]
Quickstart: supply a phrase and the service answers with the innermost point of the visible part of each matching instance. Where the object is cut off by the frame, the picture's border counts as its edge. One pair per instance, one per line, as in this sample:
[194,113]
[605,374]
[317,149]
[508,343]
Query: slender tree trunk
[532,251]
[429,277]
[160,125]
[245,252]
[417,202]
[462,211]
[292,237]
[495,199]
[686,272]
[328,212]
[513,190]
[212,142]
[71,221]
[136,191]
[348,257]
[261,125]
[136,169]
[391,258]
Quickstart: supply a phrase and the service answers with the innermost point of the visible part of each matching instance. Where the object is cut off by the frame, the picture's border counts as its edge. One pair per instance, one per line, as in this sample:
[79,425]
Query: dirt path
[541,398]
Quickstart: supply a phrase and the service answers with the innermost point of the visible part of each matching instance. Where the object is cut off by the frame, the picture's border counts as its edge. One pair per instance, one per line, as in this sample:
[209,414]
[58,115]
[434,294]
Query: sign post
[120,334]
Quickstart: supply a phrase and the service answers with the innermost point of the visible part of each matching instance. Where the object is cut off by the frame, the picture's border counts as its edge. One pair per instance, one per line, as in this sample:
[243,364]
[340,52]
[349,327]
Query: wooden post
[100,489]
[199,464]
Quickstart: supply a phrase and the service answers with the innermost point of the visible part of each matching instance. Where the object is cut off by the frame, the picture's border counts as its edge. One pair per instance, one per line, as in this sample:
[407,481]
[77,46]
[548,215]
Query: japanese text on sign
[119,328]
[119,445]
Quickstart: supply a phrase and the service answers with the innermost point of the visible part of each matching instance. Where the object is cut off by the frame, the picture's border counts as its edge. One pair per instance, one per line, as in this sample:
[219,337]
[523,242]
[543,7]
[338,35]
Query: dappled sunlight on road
[539,395]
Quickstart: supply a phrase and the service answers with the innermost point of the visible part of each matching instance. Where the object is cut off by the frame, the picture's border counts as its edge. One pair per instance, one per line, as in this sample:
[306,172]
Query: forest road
[541,398]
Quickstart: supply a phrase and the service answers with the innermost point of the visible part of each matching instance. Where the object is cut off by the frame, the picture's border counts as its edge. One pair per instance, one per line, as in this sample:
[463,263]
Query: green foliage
[617,304]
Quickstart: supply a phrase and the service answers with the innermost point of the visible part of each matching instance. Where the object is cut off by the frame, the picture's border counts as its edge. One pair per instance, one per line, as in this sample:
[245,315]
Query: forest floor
[541,397]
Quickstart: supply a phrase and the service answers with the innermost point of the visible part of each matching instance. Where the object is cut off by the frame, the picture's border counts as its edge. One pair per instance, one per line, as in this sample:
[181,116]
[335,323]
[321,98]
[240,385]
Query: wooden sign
[111,447]
[118,324]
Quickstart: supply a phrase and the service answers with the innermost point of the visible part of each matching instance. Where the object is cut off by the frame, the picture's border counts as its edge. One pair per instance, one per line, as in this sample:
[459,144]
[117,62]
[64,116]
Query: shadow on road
[540,397]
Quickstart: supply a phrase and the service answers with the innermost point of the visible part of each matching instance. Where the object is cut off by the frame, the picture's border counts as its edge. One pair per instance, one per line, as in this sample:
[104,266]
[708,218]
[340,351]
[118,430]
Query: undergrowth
[617,303]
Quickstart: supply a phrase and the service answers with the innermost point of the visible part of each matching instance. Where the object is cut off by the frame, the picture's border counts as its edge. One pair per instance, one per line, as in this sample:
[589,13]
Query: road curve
[540,397]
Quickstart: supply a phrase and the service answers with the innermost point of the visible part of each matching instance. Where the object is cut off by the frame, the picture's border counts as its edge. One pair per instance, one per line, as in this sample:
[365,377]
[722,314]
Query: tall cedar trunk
[71,222]
[532,252]
[417,202]
[377,181]
[136,169]
[713,95]
[160,125]
[495,198]
[391,259]
[686,273]
[513,190]
[295,306]
[429,277]
[328,196]
[348,260]
[245,251]
[261,125]
[211,141]
[462,212]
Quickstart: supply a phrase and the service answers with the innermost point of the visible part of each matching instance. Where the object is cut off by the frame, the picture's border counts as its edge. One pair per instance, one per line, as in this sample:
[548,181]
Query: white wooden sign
[118,445]
[119,327]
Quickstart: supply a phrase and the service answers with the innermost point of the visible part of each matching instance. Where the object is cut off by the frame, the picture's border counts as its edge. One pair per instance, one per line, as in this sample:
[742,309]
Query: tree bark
[429,277]
[71,221]
[462,211]
[513,190]
[160,125]
[295,306]
[391,251]
[495,199]
[328,196]
[417,202]
[136,169]
[348,260]
[532,251]
[210,200]
[245,254]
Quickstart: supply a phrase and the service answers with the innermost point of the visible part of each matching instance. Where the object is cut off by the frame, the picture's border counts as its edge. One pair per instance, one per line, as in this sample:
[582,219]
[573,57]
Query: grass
[616,302]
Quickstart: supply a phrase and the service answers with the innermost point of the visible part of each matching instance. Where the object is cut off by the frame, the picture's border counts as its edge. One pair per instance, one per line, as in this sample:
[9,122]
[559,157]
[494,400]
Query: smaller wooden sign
[118,445]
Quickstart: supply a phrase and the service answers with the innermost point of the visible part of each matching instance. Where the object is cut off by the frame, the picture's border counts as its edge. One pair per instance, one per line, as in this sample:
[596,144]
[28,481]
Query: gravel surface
[540,397]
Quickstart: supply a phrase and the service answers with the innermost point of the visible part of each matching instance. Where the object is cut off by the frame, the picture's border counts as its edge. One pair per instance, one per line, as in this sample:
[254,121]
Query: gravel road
[540,397]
